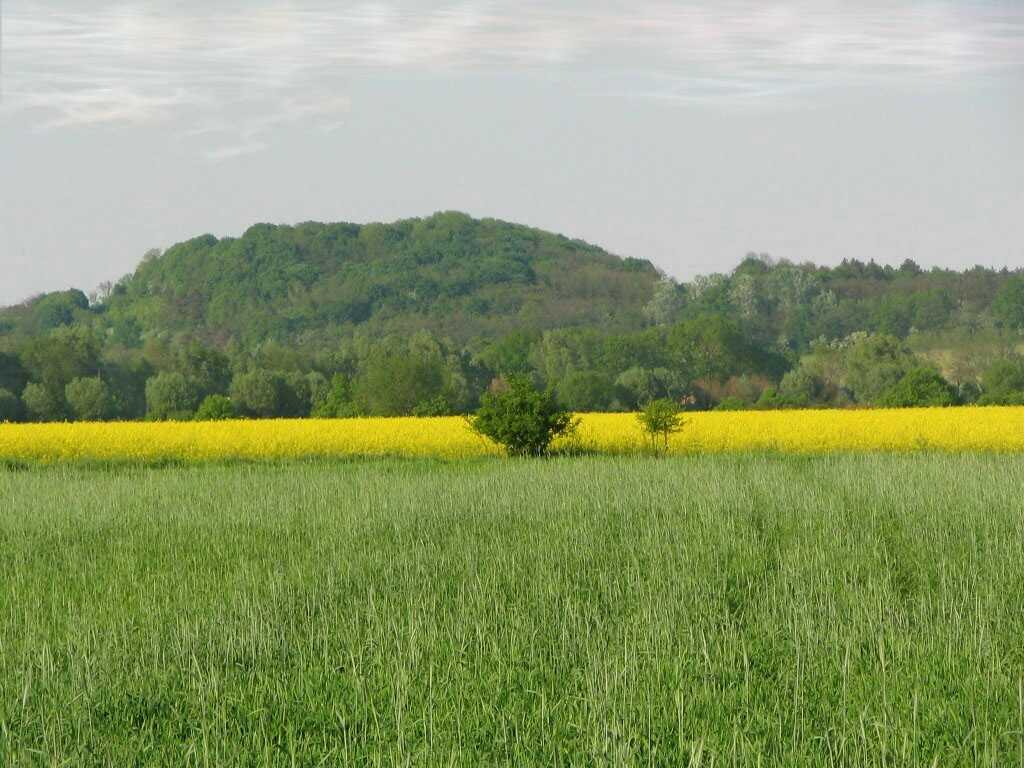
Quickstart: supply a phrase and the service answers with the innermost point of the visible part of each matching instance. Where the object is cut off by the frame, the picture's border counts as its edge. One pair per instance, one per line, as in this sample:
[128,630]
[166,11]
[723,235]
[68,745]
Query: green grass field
[745,610]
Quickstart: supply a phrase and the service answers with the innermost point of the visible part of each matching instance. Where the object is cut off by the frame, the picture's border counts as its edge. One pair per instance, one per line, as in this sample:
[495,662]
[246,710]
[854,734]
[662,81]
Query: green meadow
[727,611]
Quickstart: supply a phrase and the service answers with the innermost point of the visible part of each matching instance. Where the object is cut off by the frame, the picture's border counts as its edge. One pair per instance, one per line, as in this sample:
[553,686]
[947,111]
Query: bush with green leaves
[89,399]
[1003,382]
[10,406]
[267,394]
[41,404]
[1008,305]
[660,419]
[336,401]
[437,405]
[520,418]
[258,393]
[920,387]
[588,391]
[170,397]
[216,408]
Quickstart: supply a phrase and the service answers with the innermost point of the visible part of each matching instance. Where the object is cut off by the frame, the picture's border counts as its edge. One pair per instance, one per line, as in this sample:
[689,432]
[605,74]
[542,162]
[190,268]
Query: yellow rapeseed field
[948,429]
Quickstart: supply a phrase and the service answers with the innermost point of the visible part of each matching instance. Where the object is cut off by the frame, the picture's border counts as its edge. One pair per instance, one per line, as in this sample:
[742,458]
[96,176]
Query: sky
[687,133]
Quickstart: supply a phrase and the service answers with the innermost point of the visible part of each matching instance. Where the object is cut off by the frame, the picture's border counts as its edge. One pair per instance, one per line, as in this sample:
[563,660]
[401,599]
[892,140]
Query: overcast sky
[684,132]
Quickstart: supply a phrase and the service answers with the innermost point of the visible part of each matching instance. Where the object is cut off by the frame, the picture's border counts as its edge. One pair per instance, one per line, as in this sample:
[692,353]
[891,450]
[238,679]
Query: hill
[455,276]
[419,316]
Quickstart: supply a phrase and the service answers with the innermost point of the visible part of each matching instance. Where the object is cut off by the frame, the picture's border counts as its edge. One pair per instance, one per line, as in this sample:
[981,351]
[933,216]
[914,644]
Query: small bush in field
[216,408]
[520,418]
[660,420]
[920,388]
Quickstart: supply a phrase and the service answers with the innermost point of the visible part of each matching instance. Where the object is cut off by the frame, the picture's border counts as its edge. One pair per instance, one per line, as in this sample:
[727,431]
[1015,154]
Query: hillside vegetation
[450,274]
[421,316]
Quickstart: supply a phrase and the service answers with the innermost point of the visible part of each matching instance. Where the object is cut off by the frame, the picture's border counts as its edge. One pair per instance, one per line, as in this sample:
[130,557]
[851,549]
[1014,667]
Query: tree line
[247,328]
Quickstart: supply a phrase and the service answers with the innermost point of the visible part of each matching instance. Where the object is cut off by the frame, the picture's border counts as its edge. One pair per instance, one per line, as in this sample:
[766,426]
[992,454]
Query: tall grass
[730,610]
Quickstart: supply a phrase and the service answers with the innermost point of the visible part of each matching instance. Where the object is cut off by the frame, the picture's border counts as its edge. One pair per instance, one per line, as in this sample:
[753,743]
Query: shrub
[89,399]
[437,405]
[587,391]
[272,394]
[799,388]
[1003,383]
[520,418]
[640,385]
[216,408]
[395,383]
[170,396]
[10,406]
[42,404]
[258,393]
[336,402]
[920,387]
[660,419]
[1008,305]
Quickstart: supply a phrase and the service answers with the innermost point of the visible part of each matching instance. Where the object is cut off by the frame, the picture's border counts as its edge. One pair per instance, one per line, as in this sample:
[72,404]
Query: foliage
[522,419]
[799,388]
[41,404]
[639,385]
[584,391]
[420,315]
[13,376]
[666,304]
[89,399]
[921,387]
[263,394]
[336,401]
[208,369]
[436,406]
[874,365]
[216,408]
[171,396]
[1008,305]
[10,406]
[396,383]
[56,359]
[58,309]
[1003,382]
[660,419]
[445,270]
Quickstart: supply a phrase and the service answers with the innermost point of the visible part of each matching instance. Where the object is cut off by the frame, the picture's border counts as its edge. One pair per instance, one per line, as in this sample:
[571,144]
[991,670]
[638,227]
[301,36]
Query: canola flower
[801,432]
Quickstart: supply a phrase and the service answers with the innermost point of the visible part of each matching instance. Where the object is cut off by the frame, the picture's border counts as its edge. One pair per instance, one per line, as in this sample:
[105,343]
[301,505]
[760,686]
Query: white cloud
[231,151]
[243,70]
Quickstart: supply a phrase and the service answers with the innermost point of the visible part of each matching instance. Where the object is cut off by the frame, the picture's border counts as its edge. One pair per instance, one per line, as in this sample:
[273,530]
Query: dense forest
[422,316]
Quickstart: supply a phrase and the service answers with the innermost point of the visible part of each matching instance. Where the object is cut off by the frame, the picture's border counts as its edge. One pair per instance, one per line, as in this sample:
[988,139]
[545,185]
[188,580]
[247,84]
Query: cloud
[232,151]
[244,69]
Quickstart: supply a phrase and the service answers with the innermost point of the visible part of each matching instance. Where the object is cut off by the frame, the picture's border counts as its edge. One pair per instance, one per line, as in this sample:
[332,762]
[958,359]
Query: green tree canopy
[10,406]
[170,396]
[1003,382]
[920,387]
[520,418]
[216,408]
[41,404]
[1008,306]
[89,399]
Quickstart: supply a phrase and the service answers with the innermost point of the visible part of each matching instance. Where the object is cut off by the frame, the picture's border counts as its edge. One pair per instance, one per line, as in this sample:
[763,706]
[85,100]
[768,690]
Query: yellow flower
[946,429]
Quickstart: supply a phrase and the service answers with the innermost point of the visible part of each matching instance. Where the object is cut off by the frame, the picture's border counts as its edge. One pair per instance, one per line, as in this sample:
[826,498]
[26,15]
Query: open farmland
[711,610]
[801,432]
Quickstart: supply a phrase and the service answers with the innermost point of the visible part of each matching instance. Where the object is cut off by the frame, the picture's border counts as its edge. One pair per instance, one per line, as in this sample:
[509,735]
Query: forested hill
[455,276]
[421,316]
